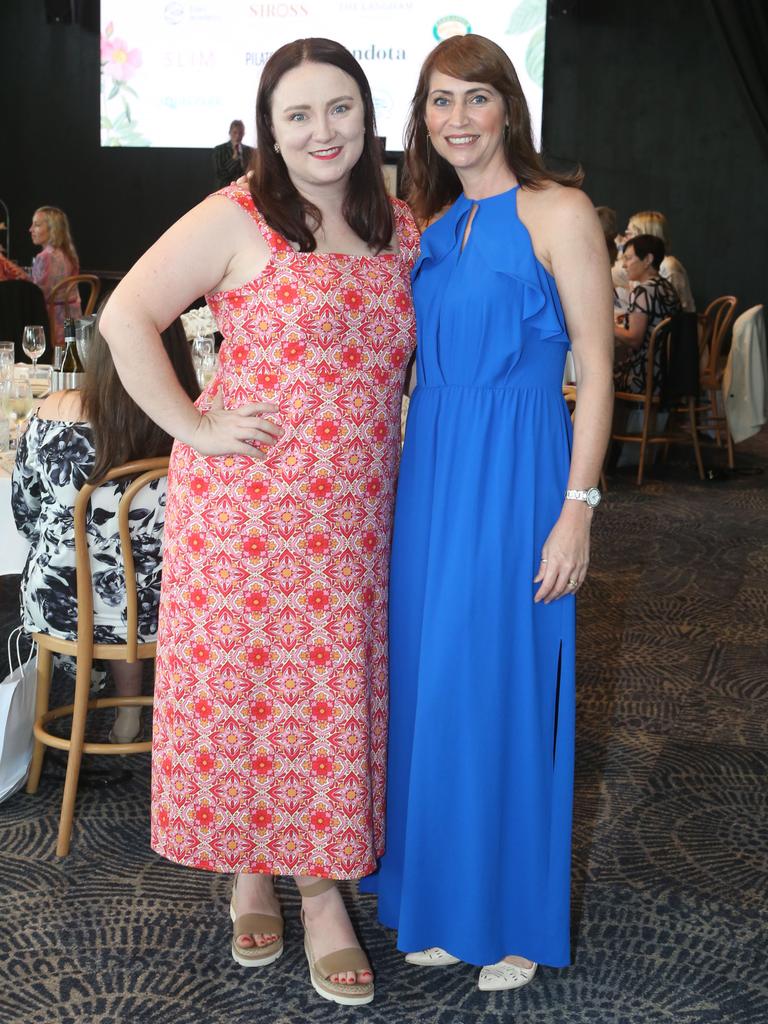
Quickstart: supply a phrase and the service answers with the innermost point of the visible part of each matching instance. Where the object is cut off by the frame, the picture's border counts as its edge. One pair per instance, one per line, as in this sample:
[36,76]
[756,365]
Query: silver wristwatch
[592,496]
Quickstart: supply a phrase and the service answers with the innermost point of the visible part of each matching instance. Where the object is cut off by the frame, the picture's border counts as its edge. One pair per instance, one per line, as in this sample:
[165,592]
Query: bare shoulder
[557,206]
[62,405]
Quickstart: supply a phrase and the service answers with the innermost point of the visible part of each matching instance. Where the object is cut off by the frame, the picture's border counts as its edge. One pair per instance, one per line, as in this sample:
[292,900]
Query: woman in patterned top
[76,437]
[651,299]
[58,259]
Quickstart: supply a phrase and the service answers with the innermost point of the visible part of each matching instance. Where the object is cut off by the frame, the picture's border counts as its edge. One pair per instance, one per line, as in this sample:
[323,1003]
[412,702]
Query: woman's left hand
[565,555]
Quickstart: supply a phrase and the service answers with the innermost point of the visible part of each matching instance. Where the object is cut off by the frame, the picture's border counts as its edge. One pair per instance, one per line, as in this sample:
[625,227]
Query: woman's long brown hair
[122,431]
[366,208]
[431,182]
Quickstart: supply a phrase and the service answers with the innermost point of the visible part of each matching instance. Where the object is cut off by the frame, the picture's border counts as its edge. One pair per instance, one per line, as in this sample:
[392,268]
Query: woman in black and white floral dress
[76,438]
[651,299]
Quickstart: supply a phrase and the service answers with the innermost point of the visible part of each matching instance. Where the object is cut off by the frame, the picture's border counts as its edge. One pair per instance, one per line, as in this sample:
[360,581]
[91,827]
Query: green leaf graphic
[534,57]
[528,14]
[115,91]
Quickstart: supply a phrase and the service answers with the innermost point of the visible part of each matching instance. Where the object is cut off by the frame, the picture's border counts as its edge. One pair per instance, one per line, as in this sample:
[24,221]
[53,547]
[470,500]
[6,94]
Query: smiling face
[318,121]
[466,122]
[39,230]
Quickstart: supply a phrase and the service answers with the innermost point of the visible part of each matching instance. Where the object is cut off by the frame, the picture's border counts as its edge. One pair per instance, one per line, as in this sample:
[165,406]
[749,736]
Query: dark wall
[642,95]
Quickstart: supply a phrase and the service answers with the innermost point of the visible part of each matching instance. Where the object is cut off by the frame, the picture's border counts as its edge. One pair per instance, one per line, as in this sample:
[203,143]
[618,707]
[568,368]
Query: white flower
[198,321]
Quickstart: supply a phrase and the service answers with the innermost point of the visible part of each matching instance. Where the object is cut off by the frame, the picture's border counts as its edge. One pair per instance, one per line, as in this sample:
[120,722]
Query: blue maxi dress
[481,730]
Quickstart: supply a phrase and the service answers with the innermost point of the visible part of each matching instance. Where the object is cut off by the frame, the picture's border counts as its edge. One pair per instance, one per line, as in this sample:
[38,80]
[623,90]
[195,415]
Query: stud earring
[276,148]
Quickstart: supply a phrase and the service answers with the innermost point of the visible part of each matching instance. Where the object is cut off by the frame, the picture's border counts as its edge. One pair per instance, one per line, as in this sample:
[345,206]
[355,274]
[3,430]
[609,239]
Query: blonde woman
[56,260]
[651,222]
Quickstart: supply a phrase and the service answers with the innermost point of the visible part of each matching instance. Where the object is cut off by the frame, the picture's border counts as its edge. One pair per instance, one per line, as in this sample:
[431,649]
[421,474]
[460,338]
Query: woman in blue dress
[491,537]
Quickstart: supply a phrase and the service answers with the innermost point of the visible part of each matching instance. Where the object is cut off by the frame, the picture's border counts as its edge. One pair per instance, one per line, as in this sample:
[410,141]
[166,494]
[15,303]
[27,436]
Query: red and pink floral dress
[270,719]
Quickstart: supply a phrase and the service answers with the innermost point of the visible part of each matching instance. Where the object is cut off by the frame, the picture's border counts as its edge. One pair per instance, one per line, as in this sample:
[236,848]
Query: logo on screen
[174,13]
[451,25]
[279,10]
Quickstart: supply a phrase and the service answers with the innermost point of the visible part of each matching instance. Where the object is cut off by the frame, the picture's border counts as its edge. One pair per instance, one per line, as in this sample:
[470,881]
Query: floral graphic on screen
[119,63]
[529,16]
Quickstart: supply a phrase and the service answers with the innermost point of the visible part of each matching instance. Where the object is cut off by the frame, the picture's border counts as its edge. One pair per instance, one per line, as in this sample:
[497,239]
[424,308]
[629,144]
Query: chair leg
[42,695]
[695,436]
[75,756]
[643,444]
[728,438]
[715,416]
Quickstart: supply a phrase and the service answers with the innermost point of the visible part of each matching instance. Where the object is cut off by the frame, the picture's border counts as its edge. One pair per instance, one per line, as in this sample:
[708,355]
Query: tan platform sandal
[350,959]
[255,924]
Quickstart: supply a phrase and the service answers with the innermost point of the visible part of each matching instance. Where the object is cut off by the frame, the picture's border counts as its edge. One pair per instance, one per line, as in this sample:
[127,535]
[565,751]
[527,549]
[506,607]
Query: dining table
[13,547]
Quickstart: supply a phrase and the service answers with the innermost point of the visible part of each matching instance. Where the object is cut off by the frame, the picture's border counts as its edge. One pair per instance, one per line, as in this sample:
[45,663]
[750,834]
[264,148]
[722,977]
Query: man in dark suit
[231,159]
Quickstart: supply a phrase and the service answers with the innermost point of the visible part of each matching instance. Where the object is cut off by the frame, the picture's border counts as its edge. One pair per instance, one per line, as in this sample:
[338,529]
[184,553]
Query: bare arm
[576,250]
[213,246]
[634,333]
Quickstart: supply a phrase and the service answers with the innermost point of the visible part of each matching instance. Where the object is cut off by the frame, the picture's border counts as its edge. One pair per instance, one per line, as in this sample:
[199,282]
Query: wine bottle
[71,368]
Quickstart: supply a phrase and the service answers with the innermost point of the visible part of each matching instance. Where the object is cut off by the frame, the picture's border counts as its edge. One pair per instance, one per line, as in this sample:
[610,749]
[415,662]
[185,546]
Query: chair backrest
[680,359]
[21,303]
[715,324]
[144,471]
[68,288]
[656,339]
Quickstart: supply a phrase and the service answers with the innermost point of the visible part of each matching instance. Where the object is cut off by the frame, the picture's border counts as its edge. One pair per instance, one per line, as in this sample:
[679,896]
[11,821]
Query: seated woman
[607,218]
[57,260]
[651,299]
[76,437]
[651,222]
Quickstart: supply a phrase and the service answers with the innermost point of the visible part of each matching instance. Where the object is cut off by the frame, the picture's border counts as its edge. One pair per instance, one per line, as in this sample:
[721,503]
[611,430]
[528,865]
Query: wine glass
[84,336]
[202,346]
[21,403]
[33,343]
[6,361]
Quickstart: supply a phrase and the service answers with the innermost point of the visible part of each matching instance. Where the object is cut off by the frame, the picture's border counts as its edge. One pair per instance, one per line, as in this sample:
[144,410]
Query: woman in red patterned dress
[271,688]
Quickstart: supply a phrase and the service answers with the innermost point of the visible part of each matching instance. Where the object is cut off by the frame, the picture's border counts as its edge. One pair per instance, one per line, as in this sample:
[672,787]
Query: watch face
[594,497]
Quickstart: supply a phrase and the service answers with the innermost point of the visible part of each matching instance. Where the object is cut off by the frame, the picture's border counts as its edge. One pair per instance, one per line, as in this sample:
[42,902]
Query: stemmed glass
[33,343]
[21,403]
[204,358]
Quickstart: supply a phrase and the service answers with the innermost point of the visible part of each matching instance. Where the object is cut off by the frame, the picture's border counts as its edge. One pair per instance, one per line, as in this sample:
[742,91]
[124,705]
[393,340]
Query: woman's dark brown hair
[366,208]
[122,432]
[431,181]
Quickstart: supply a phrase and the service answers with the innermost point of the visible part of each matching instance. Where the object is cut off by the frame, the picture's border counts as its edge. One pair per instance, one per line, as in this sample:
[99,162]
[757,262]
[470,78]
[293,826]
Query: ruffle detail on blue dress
[503,243]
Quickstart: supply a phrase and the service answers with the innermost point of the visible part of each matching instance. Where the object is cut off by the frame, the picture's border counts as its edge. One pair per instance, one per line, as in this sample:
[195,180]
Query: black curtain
[743,27]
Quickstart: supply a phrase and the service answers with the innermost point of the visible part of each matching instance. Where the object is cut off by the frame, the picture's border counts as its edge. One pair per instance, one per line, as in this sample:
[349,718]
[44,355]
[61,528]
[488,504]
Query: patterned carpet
[670,844]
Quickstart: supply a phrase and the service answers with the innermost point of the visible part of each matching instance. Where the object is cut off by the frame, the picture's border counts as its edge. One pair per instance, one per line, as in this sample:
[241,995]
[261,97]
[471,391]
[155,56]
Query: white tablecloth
[13,547]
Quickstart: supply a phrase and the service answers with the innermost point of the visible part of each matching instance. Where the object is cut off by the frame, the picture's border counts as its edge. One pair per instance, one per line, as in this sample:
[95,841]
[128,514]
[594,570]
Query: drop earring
[276,148]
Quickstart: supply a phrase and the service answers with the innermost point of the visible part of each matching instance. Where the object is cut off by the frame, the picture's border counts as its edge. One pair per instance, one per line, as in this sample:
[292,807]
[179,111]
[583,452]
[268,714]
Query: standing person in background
[651,222]
[269,753]
[491,541]
[58,259]
[231,159]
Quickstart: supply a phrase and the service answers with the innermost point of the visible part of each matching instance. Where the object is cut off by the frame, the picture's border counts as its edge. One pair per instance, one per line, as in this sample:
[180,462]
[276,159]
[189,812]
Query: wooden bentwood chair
[714,324]
[67,290]
[661,335]
[84,650]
